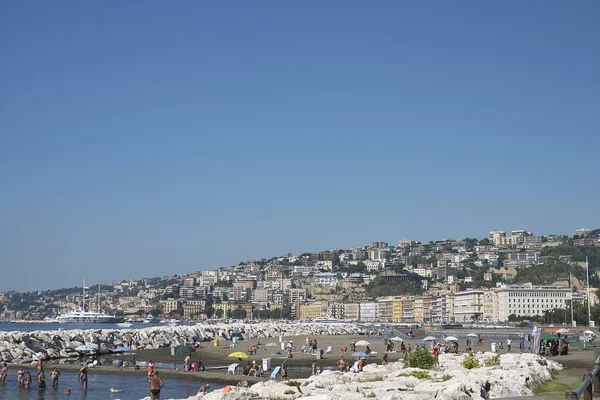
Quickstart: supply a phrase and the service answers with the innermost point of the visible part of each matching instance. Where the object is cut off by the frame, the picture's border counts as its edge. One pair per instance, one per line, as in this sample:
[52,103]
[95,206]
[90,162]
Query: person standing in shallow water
[54,374]
[83,376]
[156,384]
[41,380]
[3,372]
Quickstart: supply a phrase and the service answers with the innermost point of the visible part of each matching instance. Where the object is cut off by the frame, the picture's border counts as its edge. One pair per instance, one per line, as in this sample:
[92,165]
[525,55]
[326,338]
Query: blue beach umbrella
[360,354]
[123,349]
[84,348]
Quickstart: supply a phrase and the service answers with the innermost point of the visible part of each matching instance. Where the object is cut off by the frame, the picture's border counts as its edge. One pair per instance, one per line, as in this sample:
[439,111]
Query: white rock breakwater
[43,345]
[513,377]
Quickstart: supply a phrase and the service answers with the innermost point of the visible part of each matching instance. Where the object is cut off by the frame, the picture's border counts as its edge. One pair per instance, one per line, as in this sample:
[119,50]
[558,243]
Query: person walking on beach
[313,368]
[83,376]
[3,372]
[54,374]
[20,376]
[186,363]
[150,370]
[156,384]
[284,371]
[522,344]
[508,346]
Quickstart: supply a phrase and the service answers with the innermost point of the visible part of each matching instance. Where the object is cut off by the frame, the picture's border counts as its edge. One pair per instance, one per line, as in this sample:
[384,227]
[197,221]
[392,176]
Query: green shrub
[446,378]
[470,361]
[420,358]
[420,374]
[492,362]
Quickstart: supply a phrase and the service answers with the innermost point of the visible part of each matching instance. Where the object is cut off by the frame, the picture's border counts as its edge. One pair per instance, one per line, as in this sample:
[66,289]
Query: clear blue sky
[153,138]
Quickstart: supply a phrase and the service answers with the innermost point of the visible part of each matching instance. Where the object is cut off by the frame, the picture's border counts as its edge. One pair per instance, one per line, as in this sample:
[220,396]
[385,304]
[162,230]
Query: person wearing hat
[253,368]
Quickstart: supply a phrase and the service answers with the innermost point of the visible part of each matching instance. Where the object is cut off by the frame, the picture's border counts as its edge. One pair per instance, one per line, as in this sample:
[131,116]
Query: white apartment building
[373,265]
[424,272]
[324,264]
[490,306]
[369,312]
[351,311]
[468,306]
[530,300]
[327,279]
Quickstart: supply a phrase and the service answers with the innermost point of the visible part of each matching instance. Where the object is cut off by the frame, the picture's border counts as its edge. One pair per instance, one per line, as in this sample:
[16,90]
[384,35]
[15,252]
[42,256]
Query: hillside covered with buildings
[503,277]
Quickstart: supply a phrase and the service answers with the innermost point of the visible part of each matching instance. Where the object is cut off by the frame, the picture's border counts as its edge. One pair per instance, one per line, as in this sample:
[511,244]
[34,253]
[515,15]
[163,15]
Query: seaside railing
[589,386]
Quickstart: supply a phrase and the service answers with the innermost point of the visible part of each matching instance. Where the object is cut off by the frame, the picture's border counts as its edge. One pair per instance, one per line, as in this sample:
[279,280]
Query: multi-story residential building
[208,278]
[386,309]
[240,294]
[528,300]
[309,311]
[424,272]
[352,311]
[378,254]
[296,295]
[374,265]
[490,306]
[422,309]
[191,281]
[335,309]
[398,309]
[527,256]
[327,279]
[369,311]
[170,305]
[262,296]
[187,292]
[245,283]
[408,310]
[302,270]
[379,245]
[324,264]
[468,306]
[281,299]
[225,306]
[193,309]
[583,232]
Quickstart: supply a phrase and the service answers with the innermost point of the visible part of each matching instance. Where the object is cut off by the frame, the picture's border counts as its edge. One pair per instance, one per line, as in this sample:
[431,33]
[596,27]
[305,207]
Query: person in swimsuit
[83,376]
[342,364]
[284,371]
[54,374]
[204,388]
[3,372]
[41,380]
[20,376]
[155,385]
[39,366]
[150,370]
[27,379]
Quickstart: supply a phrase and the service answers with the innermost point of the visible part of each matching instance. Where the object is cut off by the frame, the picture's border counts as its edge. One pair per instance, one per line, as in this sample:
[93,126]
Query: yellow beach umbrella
[238,354]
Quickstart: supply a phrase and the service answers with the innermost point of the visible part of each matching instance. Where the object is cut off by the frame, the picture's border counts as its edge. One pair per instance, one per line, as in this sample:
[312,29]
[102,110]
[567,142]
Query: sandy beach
[576,364]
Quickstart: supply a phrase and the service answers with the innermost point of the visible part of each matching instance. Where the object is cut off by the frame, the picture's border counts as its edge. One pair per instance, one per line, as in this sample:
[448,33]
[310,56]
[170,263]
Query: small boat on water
[125,324]
[150,319]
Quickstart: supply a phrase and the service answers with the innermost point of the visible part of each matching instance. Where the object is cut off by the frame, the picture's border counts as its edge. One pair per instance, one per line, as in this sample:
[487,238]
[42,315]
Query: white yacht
[125,324]
[87,317]
[151,320]
[79,315]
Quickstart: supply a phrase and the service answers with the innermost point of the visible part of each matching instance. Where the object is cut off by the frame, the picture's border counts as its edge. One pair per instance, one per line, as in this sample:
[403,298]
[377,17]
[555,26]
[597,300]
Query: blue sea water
[132,388]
